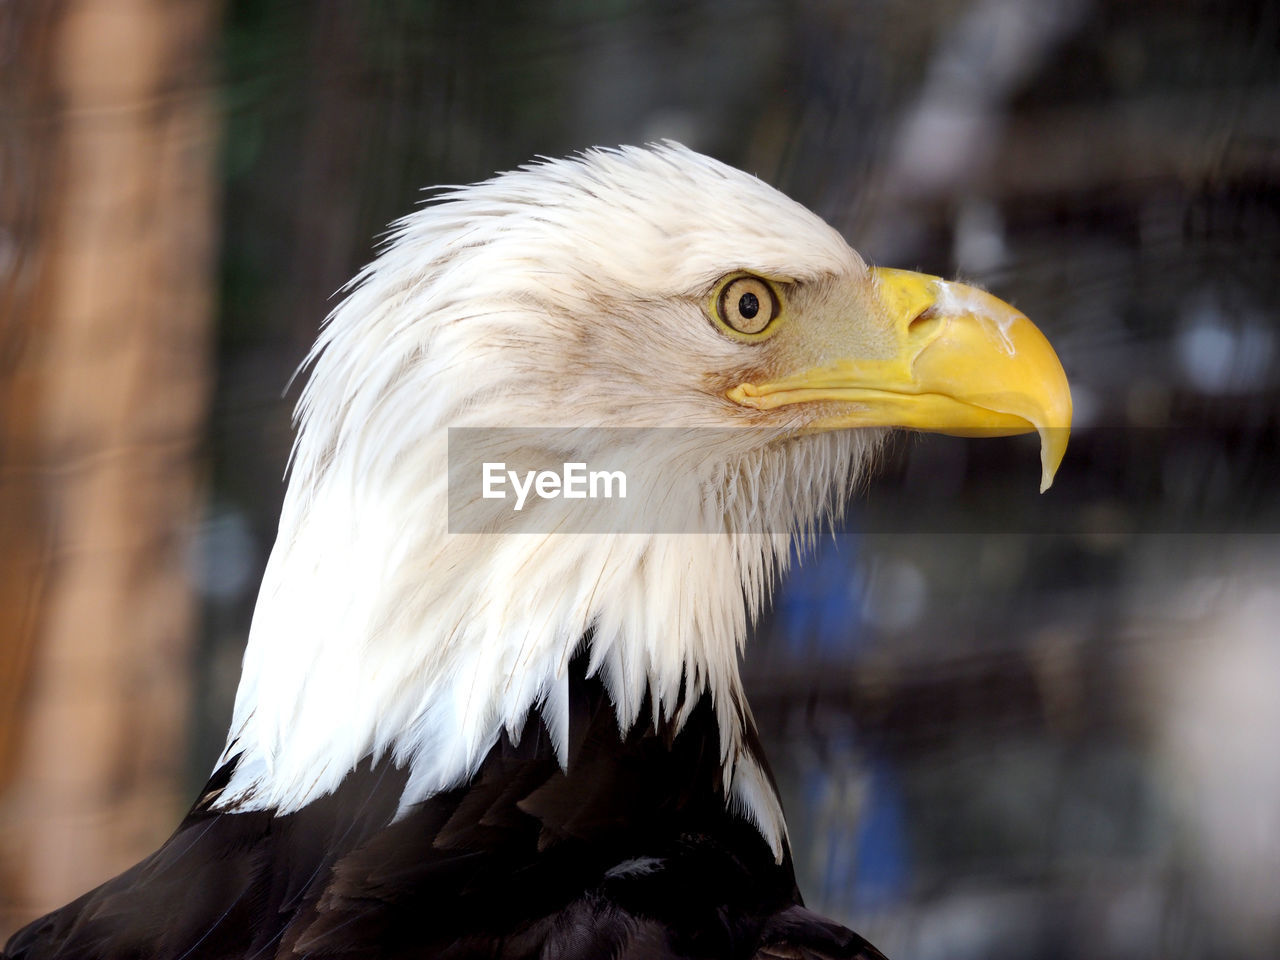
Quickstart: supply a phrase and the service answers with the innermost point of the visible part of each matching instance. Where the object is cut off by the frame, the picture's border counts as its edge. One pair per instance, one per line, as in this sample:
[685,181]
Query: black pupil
[749,305]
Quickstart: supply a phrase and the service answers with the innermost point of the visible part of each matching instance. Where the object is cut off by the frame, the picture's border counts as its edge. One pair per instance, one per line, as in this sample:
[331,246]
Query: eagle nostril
[922,322]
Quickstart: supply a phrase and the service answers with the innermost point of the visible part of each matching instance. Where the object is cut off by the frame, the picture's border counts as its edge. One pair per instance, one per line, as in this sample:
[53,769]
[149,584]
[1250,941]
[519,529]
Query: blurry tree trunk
[107,211]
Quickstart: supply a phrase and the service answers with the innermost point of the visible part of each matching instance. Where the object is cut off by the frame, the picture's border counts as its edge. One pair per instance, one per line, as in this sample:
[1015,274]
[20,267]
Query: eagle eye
[747,304]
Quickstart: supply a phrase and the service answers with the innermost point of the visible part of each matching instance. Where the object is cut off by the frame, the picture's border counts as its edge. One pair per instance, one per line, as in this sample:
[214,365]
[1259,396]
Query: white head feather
[568,293]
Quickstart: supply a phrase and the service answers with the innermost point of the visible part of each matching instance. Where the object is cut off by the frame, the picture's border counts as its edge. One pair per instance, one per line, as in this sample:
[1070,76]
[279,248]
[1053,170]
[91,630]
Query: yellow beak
[963,363]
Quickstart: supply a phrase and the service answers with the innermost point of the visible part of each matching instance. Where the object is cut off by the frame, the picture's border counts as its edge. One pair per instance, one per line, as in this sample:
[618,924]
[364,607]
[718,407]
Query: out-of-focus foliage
[1007,725]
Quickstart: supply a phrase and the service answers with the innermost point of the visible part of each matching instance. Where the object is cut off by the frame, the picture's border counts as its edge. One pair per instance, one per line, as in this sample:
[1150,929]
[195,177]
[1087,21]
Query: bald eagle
[481,743]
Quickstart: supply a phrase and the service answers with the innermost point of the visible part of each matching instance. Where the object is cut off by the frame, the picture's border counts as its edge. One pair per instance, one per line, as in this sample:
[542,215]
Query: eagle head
[753,359]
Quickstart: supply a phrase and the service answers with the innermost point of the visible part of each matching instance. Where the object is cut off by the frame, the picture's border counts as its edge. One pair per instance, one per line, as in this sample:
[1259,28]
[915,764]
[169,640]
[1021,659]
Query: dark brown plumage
[629,853]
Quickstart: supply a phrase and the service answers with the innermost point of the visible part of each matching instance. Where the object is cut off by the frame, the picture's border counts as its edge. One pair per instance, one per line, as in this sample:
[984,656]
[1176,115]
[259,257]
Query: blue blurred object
[881,870]
[819,612]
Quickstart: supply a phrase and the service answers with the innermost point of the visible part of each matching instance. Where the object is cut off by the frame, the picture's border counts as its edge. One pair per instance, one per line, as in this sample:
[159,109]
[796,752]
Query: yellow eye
[747,304]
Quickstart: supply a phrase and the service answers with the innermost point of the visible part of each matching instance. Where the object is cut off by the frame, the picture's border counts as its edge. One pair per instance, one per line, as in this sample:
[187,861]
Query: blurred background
[1006,725]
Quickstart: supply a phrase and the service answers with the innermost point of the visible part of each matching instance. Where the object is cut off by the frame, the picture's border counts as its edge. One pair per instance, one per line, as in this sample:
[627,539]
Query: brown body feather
[630,853]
